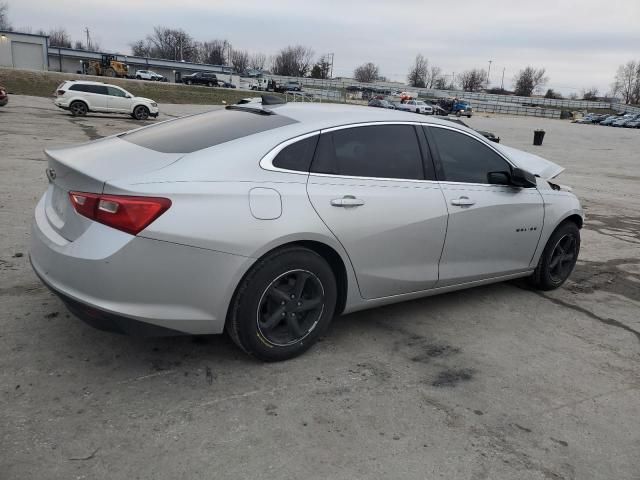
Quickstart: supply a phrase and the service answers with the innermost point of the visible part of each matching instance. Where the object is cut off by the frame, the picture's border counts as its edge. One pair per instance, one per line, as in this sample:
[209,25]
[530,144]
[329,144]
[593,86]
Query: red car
[4,96]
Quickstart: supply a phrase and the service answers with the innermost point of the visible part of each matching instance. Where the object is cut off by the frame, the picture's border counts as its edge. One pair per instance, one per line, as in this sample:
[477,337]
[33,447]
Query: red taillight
[126,213]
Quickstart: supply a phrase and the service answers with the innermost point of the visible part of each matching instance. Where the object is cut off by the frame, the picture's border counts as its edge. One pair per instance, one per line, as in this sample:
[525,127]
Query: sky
[581,43]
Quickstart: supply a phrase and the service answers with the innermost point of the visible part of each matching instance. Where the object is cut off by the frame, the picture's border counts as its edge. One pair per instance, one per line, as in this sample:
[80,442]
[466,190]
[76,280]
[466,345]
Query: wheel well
[332,258]
[80,101]
[575,218]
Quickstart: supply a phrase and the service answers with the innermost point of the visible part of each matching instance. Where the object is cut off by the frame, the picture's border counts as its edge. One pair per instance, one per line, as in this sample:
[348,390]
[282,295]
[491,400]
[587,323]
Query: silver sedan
[267,221]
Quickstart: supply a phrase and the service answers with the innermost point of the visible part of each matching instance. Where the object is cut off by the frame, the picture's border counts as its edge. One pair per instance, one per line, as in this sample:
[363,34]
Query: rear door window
[381,151]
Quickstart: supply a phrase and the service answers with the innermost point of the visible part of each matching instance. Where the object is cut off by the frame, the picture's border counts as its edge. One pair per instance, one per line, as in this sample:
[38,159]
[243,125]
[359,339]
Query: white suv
[149,75]
[80,97]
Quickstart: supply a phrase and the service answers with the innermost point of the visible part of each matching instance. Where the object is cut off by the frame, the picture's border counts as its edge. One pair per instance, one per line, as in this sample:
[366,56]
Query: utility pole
[231,69]
[331,72]
[86,29]
[502,84]
[489,73]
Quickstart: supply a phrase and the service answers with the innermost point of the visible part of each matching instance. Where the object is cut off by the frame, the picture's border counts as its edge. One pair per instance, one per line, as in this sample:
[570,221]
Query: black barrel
[538,137]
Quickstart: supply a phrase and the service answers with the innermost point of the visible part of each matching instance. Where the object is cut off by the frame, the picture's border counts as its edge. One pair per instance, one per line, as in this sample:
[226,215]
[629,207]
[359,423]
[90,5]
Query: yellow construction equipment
[108,66]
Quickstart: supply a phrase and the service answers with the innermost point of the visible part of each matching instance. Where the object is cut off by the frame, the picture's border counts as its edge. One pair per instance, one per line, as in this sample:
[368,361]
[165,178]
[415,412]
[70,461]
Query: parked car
[620,122]
[150,75]
[635,123]
[488,135]
[376,102]
[415,106]
[291,238]
[292,86]
[4,96]
[81,97]
[609,120]
[201,78]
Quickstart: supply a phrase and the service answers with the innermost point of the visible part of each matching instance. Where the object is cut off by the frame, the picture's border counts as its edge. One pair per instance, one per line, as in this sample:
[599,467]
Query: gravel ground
[497,382]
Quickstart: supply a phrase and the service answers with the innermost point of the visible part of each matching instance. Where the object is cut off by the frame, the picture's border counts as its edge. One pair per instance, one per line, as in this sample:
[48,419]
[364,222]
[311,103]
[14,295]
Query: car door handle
[462,202]
[347,201]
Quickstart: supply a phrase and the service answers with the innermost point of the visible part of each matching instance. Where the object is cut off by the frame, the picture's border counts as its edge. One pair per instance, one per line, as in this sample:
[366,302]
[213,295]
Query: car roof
[322,116]
[88,82]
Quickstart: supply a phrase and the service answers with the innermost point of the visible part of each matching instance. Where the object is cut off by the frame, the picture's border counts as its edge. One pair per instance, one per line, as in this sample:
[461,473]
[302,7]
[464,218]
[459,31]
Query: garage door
[27,55]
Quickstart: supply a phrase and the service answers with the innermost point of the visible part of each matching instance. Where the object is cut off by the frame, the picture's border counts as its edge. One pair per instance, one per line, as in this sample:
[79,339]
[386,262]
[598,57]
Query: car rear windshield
[196,132]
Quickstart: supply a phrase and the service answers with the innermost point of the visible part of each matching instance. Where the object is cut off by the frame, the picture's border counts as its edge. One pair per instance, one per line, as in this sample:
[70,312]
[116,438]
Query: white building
[23,50]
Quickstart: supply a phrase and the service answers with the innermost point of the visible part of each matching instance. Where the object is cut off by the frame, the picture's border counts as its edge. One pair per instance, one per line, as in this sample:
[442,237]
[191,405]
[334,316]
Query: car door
[493,230]
[117,100]
[371,188]
[97,97]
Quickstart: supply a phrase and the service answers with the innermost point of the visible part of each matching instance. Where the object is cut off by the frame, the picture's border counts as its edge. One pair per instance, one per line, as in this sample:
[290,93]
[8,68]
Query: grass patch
[44,84]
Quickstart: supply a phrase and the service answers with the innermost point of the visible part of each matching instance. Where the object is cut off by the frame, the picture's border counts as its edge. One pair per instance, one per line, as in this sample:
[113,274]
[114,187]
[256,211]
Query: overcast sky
[579,42]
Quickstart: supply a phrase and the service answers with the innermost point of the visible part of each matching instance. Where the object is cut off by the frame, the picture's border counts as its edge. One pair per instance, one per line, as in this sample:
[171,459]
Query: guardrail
[516,110]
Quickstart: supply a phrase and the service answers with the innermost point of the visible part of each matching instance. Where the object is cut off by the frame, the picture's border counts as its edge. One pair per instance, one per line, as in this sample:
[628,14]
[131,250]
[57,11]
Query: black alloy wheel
[290,307]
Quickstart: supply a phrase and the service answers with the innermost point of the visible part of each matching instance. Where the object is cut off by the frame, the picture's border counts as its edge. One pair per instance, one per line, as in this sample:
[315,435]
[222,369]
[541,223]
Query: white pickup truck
[416,106]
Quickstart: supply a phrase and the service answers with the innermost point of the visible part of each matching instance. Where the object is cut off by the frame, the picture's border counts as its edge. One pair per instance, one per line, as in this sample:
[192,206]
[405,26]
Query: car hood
[144,99]
[531,163]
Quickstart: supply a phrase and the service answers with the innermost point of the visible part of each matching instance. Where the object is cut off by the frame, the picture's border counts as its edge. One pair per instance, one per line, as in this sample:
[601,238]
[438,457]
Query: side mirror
[499,178]
[522,178]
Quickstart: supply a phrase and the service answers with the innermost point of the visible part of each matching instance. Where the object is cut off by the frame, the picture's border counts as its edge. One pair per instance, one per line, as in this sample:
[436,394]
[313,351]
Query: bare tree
[529,80]
[59,37]
[433,75]
[4,17]
[472,80]
[257,61]
[417,76]
[590,93]
[551,93]
[240,60]
[293,61]
[213,52]
[367,73]
[167,43]
[627,82]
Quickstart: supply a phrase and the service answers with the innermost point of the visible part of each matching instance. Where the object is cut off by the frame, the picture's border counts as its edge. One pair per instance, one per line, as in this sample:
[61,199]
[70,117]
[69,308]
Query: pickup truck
[416,106]
[457,107]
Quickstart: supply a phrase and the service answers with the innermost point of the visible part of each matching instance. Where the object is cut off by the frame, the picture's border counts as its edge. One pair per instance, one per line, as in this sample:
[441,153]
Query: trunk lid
[86,168]
[530,162]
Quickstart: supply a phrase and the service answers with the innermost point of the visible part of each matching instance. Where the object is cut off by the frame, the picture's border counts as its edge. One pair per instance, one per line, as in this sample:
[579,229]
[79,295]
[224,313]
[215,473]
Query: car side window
[382,151]
[465,159]
[78,87]
[116,92]
[297,156]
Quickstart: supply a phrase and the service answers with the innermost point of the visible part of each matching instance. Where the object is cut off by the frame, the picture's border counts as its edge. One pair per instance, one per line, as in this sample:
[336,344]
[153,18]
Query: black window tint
[78,87]
[99,89]
[383,151]
[116,92]
[465,159]
[189,134]
[297,156]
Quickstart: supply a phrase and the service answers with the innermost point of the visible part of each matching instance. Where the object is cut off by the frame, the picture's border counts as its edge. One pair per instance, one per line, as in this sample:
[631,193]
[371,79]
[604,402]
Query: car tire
[558,257]
[78,108]
[268,318]
[209,84]
[138,77]
[188,82]
[458,114]
[141,112]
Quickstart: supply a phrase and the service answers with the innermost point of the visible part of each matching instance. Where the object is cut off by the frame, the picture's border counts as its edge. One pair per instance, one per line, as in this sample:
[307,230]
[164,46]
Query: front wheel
[558,258]
[141,112]
[283,305]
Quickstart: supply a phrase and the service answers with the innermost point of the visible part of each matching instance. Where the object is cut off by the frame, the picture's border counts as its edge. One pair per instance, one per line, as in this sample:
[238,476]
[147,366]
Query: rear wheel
[188,82]
[141,112]
[210,84]
[78,108]
[283,305]
[138,77]
[558,258]
[110,72]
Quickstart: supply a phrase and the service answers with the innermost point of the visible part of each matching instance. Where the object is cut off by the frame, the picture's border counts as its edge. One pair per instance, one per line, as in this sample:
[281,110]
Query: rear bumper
[129,284]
